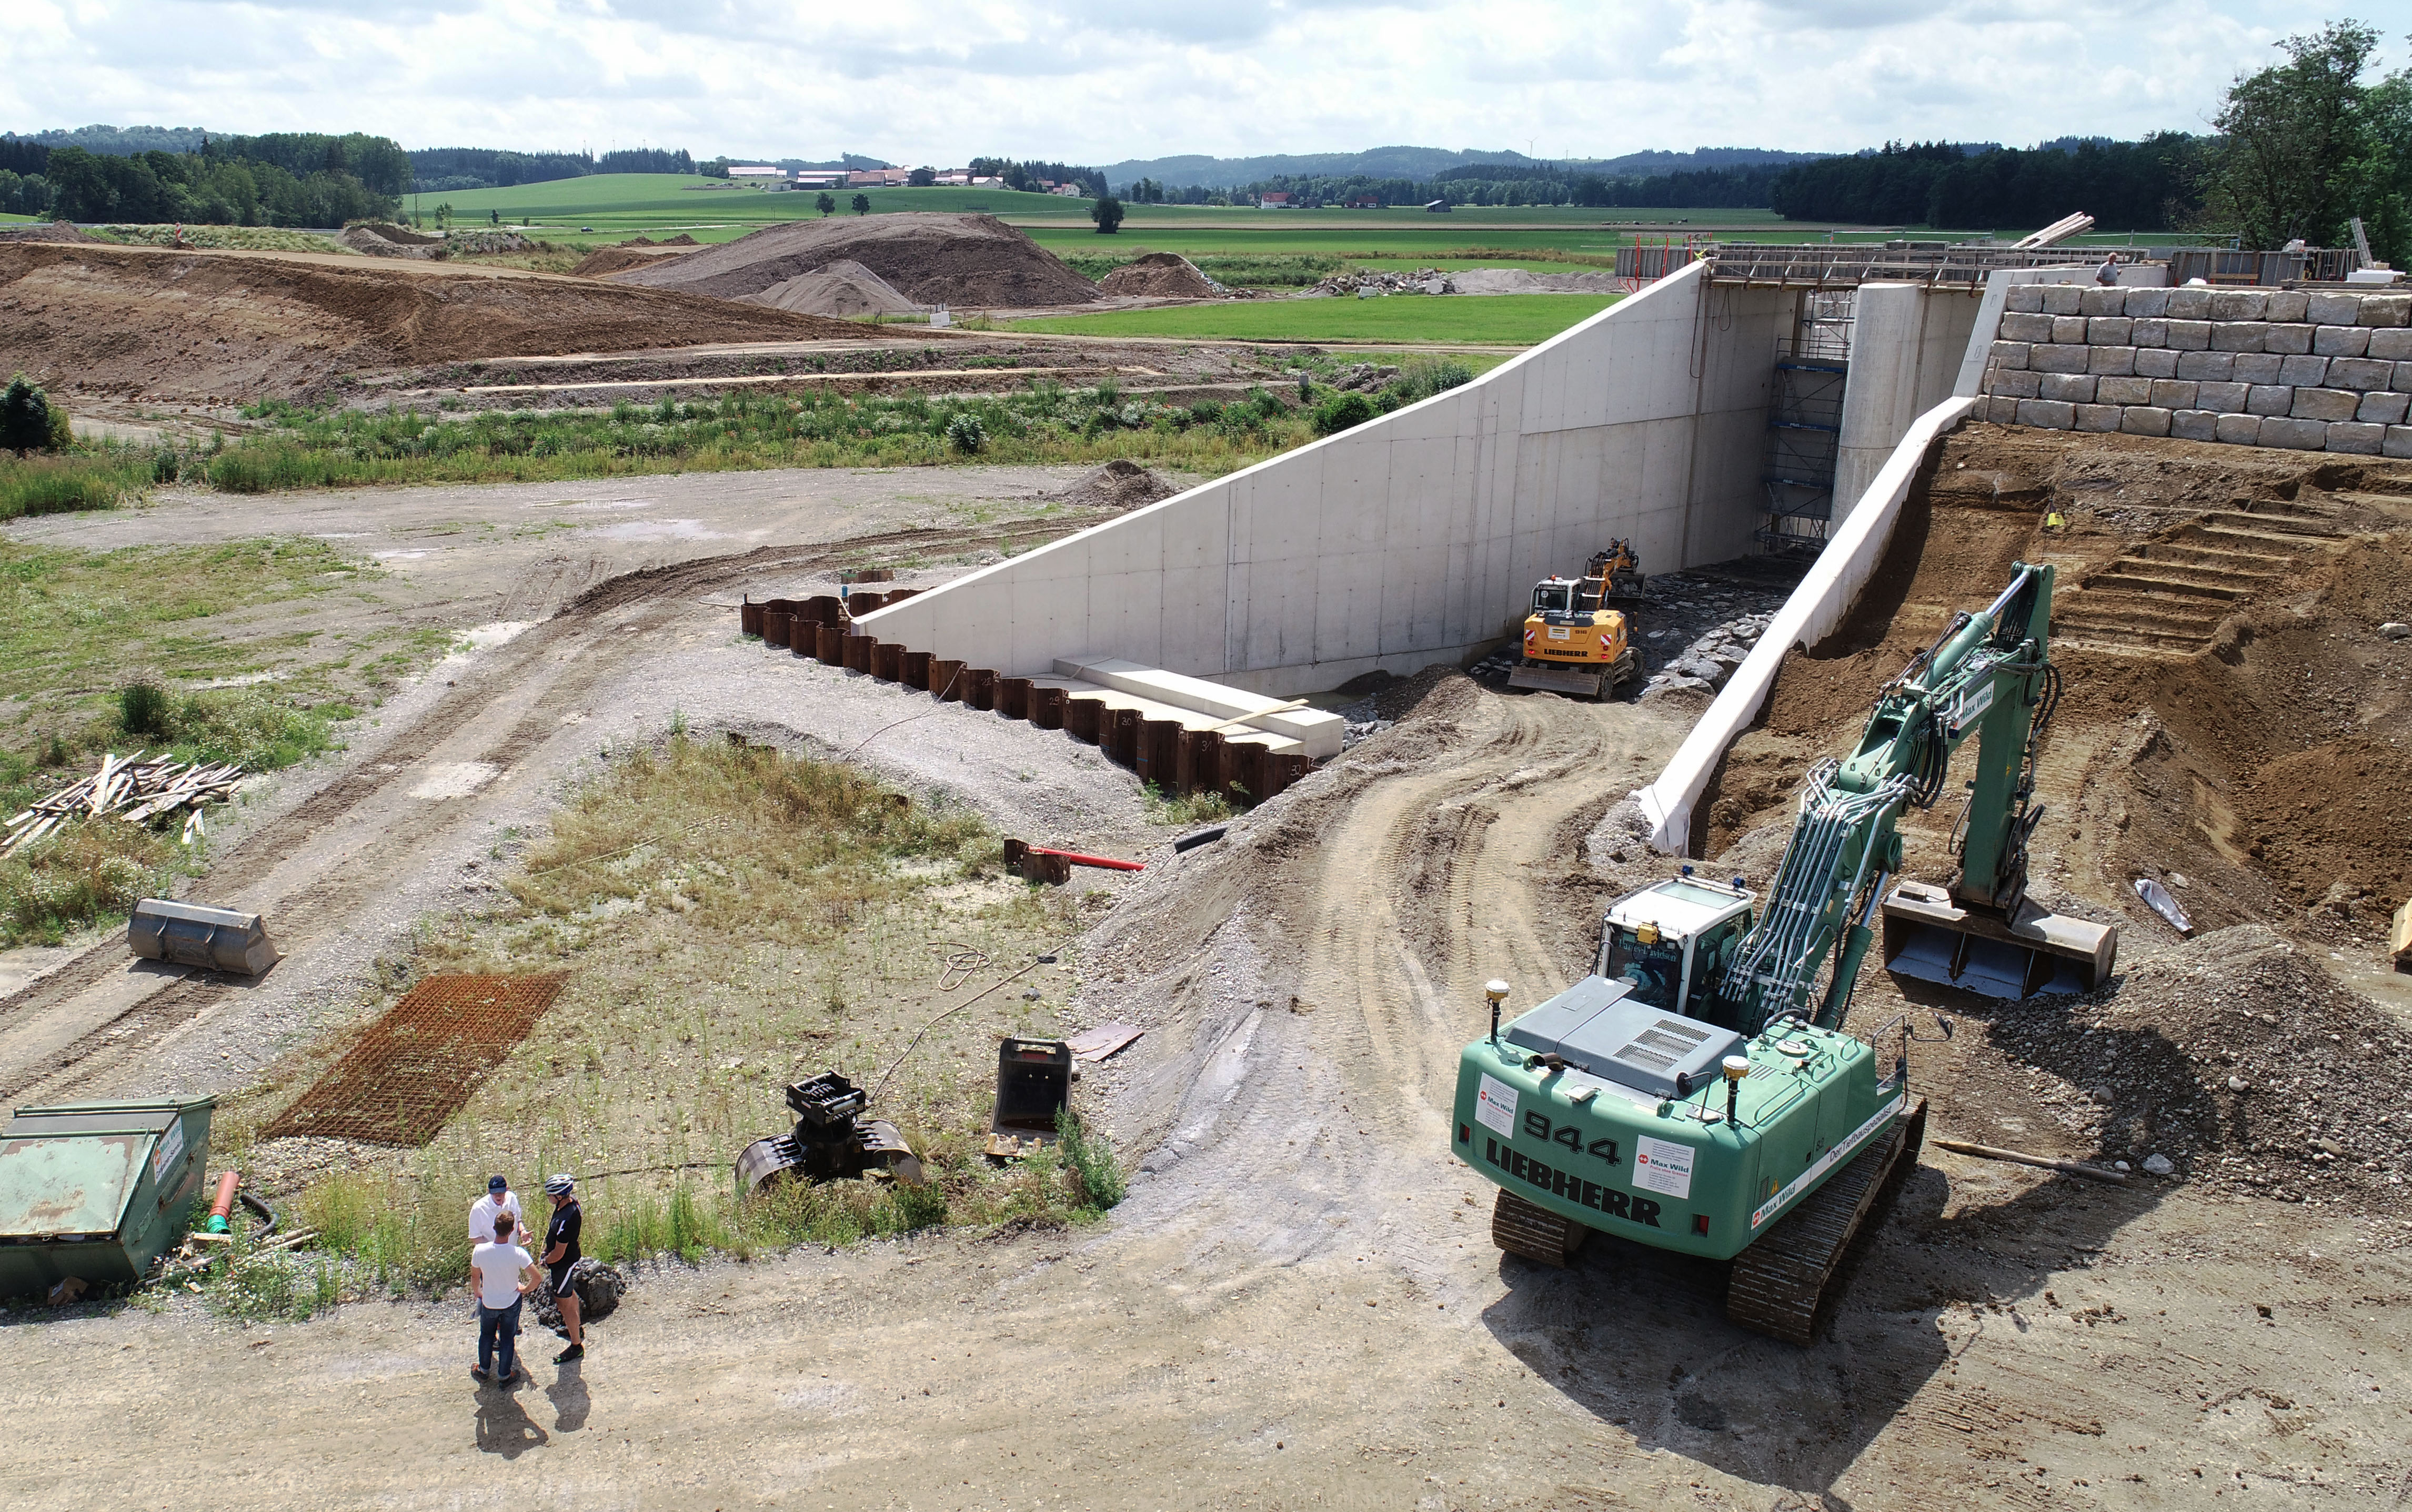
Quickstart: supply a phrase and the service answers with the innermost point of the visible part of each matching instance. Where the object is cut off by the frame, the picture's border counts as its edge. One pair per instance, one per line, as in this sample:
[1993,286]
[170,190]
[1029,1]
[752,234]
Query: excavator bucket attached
[1930,936]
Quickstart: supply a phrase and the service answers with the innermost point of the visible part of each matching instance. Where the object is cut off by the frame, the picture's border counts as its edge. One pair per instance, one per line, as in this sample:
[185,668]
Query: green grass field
[1500,320]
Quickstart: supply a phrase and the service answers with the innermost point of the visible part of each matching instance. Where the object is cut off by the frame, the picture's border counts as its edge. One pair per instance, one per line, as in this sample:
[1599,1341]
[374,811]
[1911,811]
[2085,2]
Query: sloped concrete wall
[1414,537]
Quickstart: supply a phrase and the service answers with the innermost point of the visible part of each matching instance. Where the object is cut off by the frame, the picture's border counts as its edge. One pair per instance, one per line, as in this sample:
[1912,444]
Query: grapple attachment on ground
[1034,1087]
[832,1140]
[213,939]
[1930,936]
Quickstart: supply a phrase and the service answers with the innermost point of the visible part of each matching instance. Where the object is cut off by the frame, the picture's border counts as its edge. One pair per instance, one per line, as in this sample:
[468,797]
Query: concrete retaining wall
[1412,538]
[1909,344]
[2313,372]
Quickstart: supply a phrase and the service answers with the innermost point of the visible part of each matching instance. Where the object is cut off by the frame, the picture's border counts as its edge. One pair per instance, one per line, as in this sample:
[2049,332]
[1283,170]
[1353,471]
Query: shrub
[1340,411]
[142,708]
[1090,1159]
[966,435]
[26,422]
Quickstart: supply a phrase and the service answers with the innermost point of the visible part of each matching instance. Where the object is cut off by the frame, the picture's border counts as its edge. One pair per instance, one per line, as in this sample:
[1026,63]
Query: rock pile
[1422,281]
[1706,664]
[2241,1061]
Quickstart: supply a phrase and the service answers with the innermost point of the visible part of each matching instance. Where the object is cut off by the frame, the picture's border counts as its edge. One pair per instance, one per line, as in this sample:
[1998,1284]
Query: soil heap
[1120,484]
[843,288]
[2240,1060]
[214,326]
[45,231]
[638,252]
[973,261]
[1159,275]
[378,240]
[2264,762]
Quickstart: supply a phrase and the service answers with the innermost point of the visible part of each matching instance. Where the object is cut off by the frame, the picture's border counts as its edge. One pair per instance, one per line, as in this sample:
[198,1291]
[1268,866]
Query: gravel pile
[2240,1062]
[1120,484]
[1339,285]
[968,261]
[842,288]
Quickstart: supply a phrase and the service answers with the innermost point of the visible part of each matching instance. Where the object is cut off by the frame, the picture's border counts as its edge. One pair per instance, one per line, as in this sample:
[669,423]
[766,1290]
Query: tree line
[295,178]
[2298,149]
[447,169]
[1485,184]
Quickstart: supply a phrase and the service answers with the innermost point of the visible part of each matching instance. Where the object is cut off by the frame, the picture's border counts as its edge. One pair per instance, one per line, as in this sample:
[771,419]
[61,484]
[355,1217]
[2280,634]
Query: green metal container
[98,1190]
[1648,1146]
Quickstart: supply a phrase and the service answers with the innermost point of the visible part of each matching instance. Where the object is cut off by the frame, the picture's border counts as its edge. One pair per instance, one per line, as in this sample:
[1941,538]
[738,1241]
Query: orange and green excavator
[1577,639]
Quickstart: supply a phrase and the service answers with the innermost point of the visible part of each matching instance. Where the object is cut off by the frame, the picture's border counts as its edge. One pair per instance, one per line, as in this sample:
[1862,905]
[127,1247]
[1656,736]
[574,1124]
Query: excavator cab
[1553,596]
[1671,941]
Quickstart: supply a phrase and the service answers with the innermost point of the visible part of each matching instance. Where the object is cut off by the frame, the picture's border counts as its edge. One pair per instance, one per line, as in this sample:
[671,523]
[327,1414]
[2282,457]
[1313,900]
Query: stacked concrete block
[2312,372]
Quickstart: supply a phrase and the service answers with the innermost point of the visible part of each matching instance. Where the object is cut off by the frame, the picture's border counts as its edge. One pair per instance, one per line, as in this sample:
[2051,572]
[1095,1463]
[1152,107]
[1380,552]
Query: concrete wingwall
[1908,345]
[1414,538]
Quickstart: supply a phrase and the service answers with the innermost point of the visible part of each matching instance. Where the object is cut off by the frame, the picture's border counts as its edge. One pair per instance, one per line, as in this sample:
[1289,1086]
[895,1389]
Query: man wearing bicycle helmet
[561,1253]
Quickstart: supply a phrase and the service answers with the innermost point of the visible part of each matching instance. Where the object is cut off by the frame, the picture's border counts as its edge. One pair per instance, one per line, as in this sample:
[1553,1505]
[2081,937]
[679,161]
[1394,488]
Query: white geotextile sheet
[1813,612]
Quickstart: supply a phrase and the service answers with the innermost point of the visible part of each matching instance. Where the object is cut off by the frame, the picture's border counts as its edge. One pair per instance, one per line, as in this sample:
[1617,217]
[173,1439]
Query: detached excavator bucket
[1033,1086]
[214,939]
[1929,936]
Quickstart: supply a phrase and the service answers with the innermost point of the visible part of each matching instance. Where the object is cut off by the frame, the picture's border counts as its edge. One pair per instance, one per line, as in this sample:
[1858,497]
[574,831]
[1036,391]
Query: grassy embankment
[78,629]
[730,920]
[1503,319]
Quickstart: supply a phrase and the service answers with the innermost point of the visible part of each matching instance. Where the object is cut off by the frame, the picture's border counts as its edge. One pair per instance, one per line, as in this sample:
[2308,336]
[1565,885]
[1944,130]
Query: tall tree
[862,204]
[2289,135]
[1108,213]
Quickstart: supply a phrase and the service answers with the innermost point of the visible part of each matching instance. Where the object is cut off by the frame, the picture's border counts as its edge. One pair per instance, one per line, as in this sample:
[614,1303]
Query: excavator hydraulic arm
[1987,676]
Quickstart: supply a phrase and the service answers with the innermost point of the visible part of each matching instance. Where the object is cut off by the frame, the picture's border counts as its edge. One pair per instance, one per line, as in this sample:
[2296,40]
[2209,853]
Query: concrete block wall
[2313,372]
[1412,538]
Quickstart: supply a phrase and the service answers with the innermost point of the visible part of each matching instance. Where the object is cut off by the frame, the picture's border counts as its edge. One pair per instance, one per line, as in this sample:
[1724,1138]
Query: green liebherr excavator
[1696,1092]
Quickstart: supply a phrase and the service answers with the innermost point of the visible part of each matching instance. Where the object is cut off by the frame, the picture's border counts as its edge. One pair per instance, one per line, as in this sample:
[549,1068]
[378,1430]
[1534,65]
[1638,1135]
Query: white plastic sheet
[1814,611]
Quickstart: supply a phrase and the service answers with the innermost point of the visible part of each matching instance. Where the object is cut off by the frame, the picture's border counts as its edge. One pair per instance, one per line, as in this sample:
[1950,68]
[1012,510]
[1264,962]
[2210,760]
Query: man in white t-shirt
[498,1201]
[501,1274]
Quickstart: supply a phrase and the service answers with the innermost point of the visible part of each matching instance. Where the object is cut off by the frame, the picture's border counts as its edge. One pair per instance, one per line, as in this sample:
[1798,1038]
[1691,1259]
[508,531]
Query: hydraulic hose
[267,1213]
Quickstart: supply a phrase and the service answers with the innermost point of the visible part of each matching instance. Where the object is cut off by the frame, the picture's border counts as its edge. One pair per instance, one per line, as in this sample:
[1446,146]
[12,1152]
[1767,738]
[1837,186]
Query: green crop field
[1497,319]
[633,203]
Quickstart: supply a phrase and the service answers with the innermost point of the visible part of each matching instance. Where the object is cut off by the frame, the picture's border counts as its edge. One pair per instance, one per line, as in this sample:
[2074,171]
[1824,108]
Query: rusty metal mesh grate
[415,1068]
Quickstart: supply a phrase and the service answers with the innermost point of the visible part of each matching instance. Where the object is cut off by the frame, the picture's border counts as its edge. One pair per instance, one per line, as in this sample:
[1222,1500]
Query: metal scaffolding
[1804,421]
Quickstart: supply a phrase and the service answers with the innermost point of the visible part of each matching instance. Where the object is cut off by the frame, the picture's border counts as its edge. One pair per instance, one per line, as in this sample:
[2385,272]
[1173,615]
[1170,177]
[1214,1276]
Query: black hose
[1202,838]
[261,1208]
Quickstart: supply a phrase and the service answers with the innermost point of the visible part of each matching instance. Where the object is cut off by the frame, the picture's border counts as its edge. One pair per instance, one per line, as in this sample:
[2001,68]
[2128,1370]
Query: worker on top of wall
[2108,274]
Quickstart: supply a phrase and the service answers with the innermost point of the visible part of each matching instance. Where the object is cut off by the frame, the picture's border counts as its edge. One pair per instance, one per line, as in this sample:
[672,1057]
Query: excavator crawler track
[1782,1283]
[1521,1229]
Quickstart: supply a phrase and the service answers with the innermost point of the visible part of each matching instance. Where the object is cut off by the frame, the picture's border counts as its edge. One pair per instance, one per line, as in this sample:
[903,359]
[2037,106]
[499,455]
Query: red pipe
[223,1205]
[1077,860]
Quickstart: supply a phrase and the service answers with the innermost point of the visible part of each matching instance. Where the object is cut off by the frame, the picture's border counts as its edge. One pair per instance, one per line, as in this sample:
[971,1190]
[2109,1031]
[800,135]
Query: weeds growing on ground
[734,919]
[1045,422]
[1184,808]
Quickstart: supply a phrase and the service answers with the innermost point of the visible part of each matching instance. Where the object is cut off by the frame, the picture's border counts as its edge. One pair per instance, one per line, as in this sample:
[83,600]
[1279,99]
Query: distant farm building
[1274,200]
[1436,207]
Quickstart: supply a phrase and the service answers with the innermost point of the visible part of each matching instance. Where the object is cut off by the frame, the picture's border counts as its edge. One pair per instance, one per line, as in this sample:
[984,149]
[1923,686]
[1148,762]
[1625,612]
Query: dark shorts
[561,1286]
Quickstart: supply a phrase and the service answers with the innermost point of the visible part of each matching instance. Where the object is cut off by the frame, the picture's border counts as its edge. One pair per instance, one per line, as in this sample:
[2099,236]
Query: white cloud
[1100,81]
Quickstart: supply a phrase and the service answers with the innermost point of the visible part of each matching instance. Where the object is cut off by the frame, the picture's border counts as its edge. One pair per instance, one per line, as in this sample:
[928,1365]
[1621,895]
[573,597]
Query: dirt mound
[2240,1060]
[213,326]
[44,231]
[842,288]
[1120,484]
[401,234]
[682,240]
[604,261]
[973,261]
[2264,764]
[375,242]
[1159,275]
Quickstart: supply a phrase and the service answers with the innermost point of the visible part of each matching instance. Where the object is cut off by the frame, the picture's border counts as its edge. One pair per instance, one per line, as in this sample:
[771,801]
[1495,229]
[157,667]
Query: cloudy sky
[1102,80]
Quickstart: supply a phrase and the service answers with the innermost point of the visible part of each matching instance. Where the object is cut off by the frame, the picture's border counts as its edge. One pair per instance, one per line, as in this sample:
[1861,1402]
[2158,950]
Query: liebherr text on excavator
[1697,1092]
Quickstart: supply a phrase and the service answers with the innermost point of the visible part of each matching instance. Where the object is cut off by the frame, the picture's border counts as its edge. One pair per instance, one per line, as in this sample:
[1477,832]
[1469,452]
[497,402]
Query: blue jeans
[499,1338]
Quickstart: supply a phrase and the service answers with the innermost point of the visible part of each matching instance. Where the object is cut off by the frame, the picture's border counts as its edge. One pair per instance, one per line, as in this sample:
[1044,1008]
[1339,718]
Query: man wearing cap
[498,1201]
[560,1254]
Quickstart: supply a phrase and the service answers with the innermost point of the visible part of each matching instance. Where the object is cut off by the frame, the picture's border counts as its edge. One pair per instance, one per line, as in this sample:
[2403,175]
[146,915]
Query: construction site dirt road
[1299,1304]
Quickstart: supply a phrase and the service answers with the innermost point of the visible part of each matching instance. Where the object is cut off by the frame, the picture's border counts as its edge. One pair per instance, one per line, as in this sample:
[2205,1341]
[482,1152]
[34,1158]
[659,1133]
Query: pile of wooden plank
[132,789]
